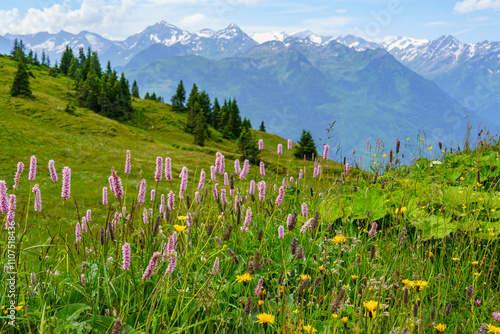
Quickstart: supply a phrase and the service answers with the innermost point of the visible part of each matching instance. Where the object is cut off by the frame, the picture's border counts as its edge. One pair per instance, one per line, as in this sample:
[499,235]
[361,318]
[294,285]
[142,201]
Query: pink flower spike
[4,201]
[215,268]
[151,267]
[281,232]
[261,144]
[104,196]
[259,286]
[20,168]
[280,149]
[126,256]
[281,195]
[237,168]
[262,191]
[153,195]
[226,179]
[12,209]
[171,200]
[117,182]
[159,168]
[496,316]
[84,224]
[212,172]
[201,184]
[168,169]
[262,169]
[373,230]
[325,152]
[289,144]
[66,184]
[142,192]
[32,174]
[78,233]
[223,196]
[304,210]
[89,215]
[251,191]
[127,163]
[52,171]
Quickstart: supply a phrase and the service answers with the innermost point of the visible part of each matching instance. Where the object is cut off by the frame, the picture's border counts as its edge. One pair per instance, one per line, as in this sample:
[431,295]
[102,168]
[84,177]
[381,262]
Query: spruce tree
[179,98]
[135,90]
[21,84]
[215,114]
[247,146]
[66,60]
[201,129]
[305,146]
[262,127]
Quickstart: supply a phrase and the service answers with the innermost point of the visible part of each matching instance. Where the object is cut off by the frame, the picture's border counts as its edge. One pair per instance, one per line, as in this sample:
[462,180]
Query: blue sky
[468,20]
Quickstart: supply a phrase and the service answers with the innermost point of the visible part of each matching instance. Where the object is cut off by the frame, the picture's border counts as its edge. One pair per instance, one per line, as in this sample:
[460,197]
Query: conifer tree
[200,129]
[262,127]
[21,84]
[305,146]
[247,146]
[135,90]
[215,114]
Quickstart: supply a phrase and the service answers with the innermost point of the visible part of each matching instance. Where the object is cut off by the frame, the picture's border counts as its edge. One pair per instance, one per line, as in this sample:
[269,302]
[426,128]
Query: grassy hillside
[92,145]
[413,249]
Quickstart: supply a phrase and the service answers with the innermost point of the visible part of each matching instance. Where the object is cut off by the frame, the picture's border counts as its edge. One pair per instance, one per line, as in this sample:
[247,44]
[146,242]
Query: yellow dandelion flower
[491,234]
[431,254]
[474,263]
[3,306]
[460,191]
[455,259]
[309,329]
[462,178]
[243,278]
[375,155]
[403,209]
[320,268]
[354,277]
[375,163]
[370,307]
[384,155]
[303,277]
[421,139]
[477,274]
[182,217]
[440,327]
[296,311]
[335,316]
[429,148]
[260,302]
[493,329]
[265,318]
[421,284]
[344,320]
[338,239]
[19,308]
[346,286]
[409,284]
[5,312]
[179,228]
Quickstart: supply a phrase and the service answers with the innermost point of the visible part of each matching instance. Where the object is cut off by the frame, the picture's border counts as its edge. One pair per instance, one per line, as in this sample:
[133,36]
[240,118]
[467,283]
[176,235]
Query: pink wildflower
[4,201]
[215,268]
[159,169]
[262,191]
[280,149]
[212,172]
[66,184]
[171,200]
[142,192]
[251,191]
[32,173]
[280,196]
[281,232]
[52,171]
[104,196]
[304,210]
[201,184]
[78,232]
[20,168]
[325,152]
[151,267]
[126,256]
[289,144]
[168,169]
[127,163]
[373,230]
[262,169]
[261,144]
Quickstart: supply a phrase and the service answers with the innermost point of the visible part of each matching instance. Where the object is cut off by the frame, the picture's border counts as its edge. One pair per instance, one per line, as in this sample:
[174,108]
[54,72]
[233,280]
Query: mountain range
[390,89]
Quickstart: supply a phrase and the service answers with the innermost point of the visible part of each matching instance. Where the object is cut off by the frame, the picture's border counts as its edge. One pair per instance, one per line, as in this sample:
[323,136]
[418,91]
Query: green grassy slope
[92,145]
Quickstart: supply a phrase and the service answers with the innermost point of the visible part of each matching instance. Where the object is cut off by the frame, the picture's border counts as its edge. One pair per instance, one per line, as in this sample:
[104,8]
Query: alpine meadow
[160,180]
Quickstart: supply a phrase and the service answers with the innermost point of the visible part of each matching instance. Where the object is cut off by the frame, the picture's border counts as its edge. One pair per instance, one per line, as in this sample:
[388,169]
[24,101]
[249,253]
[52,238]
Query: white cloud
[435,24]
[328,25]
[468,6]
[341,11]
[93,15]
[192,20]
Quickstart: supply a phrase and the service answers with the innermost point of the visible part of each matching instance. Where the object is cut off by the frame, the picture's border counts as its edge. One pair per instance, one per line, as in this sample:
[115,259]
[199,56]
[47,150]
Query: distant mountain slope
[293,85]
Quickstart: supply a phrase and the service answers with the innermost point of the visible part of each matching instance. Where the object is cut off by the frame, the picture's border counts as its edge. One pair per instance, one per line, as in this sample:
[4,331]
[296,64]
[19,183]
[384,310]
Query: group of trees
[101,91]
[203,112]
[109,94]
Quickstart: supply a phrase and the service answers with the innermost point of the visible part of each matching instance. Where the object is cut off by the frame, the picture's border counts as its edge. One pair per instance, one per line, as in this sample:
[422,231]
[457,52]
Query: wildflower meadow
[368,246]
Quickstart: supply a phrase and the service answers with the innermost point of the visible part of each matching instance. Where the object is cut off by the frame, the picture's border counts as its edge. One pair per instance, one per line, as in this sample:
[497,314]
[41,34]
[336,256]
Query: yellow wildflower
[320,268]
[440,327]
[403,209]
[303,277]
[493,329]
[344,320]
[474,263]
[335,316]
[338,239]
[421,285]
[309,329]
[370,307]
[182,217]
[260,302]
[179,228]
[243,278]
[455,259]
[265,318]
